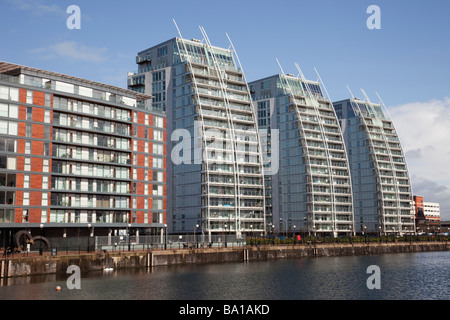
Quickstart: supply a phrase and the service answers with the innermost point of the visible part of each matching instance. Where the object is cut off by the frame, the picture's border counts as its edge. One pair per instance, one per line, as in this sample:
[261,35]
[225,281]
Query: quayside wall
[35,265]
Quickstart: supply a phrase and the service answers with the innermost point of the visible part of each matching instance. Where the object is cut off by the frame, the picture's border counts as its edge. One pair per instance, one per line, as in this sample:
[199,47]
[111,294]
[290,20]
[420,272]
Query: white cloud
[424,129]
[37,7]
[72,50]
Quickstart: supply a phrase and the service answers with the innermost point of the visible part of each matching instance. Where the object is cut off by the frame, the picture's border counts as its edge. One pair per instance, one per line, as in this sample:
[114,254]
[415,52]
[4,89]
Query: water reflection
[403,276]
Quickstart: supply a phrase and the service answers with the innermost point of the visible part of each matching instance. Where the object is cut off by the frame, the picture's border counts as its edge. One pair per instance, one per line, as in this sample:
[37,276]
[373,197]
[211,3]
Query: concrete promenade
[20,265]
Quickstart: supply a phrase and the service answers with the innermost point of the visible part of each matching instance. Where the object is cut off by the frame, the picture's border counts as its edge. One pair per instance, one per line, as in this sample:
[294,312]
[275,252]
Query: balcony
[140,59]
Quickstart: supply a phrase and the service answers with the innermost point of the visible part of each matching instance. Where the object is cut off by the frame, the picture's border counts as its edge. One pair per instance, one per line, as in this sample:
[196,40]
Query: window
[3,127]
[4,93]
[8,93]
[44,182]
[44,199]
[158,135]
[26,198]
[28,130]
[158,176]
[157,162]
[157,204]
[48,100]
[12,128]
[158,122]
[45,165]
[27,164]
[9,145]
[157,190]
[162,51]
[13,111]
[44,216]
[7,162]
[7,215]
[27,147]
[8,127]
[29,113]
[157,148]
[24,216]
[3,110]
[29,96]
[26,181]
[46,148]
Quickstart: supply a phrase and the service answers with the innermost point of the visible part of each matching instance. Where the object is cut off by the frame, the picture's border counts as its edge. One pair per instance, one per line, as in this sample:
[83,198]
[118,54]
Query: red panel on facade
[19,197]
[36,198]
[38,130]
[37,148]
[34,215]
[36,181]
[18,215]
[39,98]
[36,164]
[38,114]
[22,95]
[22,113]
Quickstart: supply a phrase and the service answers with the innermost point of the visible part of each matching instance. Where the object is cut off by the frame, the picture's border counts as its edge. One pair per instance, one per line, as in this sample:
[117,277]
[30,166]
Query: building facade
[432,211]
[382,193]
[310,192]
[77,154]
[418,209]
[215,174]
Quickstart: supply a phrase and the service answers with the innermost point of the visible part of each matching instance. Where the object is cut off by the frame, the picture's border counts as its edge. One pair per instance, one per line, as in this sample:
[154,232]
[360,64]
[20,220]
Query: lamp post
[273,234]
[195,235]
[41,227]
[89,235]
[294,233]
[225,235]
[165,236]
[128,235]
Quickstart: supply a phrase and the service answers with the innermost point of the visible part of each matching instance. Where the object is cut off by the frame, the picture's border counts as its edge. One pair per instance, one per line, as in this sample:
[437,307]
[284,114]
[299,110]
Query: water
[411,276]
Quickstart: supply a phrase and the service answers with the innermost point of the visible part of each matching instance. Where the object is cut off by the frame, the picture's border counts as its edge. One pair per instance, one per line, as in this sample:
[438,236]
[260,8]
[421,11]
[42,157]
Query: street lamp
[165,236]
[286,223]
[273,234]
[128,235]
[294,232]
[89,235]
[225,235]
[195,235]
[41,226]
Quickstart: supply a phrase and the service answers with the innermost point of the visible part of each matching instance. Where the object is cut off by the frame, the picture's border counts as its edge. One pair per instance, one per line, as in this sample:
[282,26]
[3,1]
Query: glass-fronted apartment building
[215,174]
[311,190]
[78,154]
[380,180]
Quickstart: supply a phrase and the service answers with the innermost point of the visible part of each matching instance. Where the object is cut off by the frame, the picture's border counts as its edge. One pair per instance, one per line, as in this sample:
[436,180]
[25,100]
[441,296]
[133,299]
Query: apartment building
[78,156]
[215,174]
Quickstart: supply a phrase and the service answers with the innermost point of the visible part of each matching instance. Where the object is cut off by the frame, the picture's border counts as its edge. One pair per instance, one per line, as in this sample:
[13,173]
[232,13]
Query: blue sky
[406,61]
